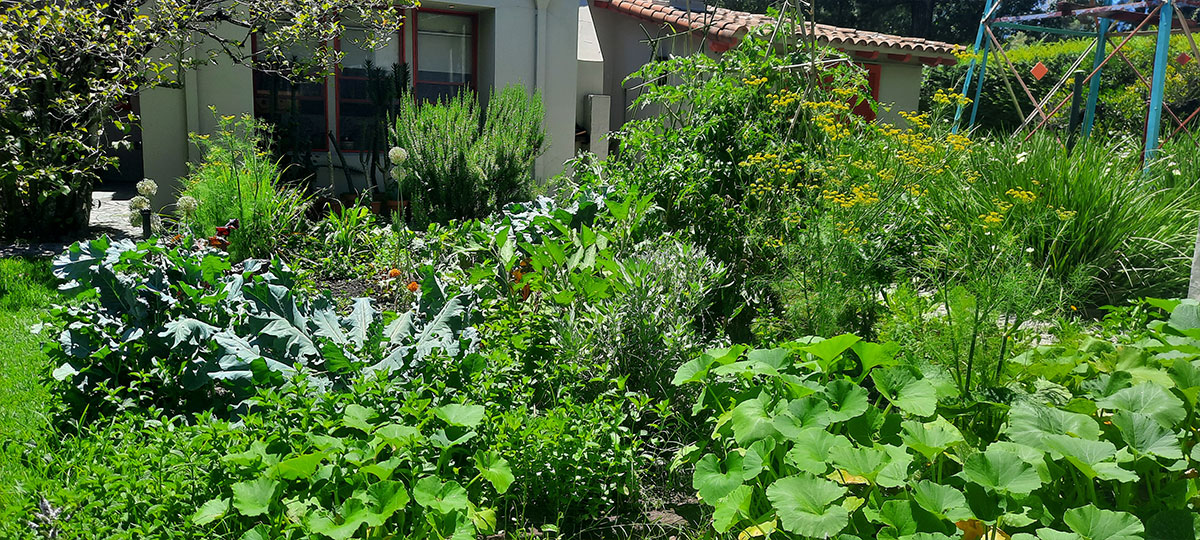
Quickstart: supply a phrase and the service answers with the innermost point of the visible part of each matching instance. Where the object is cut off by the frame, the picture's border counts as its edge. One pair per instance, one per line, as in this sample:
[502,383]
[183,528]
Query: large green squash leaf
[1091,523]
[900,386]
[1149,399]
[713,480]
[443,498]
[1001,471]
[254,497]
[752,422]
[846,400]
[931,438]
[805,506]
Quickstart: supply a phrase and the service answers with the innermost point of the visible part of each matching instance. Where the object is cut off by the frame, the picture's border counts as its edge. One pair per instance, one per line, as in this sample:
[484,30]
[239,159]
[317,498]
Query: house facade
[578,53]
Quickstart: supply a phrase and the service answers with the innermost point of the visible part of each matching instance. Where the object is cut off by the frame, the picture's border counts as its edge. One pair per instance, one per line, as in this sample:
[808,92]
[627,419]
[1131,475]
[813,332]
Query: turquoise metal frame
[1166,10]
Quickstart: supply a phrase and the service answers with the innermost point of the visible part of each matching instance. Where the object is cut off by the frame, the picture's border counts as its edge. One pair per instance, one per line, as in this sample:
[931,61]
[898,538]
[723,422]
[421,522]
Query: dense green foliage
[571,366]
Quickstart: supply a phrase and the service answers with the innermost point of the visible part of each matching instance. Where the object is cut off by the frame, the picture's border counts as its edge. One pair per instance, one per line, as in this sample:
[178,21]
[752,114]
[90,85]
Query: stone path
[110,216]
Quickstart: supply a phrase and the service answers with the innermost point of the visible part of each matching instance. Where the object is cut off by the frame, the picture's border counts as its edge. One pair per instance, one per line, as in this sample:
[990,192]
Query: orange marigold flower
[393,273]
[218,242]
[413,286]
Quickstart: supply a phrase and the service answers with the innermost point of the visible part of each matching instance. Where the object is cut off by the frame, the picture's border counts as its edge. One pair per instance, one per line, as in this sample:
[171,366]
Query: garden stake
[146,229]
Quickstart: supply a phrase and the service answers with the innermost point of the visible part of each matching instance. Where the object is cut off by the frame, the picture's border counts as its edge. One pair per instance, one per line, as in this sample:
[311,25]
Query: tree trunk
[922,18]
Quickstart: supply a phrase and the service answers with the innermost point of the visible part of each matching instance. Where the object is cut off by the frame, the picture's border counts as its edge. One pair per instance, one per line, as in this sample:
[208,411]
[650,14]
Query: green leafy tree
[66,64]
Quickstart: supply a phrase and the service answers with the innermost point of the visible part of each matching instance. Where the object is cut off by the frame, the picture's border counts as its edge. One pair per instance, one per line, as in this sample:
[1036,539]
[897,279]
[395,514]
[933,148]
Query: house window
[445,54]
[296,109]
[361,77]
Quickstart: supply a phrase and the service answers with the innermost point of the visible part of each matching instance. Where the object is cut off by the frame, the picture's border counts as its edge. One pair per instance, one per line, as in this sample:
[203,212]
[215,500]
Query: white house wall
[624,44]
[507,54]
[899,90]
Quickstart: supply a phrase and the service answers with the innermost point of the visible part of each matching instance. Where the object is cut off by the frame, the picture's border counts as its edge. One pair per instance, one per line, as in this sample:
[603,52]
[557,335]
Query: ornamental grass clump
[238,180]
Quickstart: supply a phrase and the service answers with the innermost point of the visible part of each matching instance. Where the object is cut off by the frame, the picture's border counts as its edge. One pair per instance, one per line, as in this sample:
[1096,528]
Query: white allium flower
[147,187]
[397,154]
[398,173]
[135,219]
[139,203]
[187,205]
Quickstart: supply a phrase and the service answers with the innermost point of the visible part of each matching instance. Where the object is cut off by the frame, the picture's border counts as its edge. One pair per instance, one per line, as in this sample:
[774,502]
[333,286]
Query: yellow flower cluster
[1064,214]
[845,92]
[951,97]
[917,121]
[966,55]
[911,160]
[793,218]
[958,142]
[758,159]
[834,129]
[1002,205]
[919,142]
[773,242]
[858,195]
[991,219]
[847,229]
[831,105]
[755,81]
[915,189]
[1021,195]
[783,100]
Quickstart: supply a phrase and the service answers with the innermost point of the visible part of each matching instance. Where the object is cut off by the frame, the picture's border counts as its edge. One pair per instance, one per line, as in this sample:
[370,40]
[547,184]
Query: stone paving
[110,216]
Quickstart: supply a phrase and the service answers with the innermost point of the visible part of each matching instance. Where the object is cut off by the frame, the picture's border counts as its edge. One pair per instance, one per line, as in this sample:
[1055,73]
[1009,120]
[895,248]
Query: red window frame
[416,71]
[324,98]
[339,77]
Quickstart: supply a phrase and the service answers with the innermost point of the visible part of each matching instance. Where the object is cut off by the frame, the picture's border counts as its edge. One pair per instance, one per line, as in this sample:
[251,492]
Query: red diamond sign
[1183,58]
[1040,70]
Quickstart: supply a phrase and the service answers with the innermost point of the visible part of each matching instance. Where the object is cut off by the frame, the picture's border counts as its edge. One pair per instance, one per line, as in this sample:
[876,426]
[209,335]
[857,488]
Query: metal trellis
[1166,15]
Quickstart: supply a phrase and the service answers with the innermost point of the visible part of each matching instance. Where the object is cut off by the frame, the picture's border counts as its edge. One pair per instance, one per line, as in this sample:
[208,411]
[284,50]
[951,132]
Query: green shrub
[238,180]
[459,167]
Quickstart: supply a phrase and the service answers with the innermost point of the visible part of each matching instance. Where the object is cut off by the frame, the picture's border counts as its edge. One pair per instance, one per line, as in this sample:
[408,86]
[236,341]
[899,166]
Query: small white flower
[397,154]
[147,187]
[1028,250]
[139,203]
[187,205]
[1177,172]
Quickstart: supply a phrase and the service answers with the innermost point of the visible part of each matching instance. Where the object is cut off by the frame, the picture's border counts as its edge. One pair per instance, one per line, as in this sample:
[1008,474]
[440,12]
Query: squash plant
[347,470]
[830,438]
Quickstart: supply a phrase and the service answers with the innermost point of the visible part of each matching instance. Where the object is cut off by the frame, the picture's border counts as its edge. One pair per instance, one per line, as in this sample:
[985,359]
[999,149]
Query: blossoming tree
[66,64]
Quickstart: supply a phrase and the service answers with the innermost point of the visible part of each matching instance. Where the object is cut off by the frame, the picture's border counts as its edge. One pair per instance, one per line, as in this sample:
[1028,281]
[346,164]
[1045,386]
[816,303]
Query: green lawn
[27,290]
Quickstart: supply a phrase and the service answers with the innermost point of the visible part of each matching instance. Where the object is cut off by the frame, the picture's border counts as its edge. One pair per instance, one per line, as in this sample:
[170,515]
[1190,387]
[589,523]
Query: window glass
[365,79]
[354,56]
[296,109]
[445,54]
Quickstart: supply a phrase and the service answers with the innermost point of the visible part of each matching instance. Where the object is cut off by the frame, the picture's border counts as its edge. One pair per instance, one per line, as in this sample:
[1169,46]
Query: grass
[27,290]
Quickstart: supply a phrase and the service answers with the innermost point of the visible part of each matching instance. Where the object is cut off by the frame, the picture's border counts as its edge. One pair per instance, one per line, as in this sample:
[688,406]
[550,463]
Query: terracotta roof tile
[728,27]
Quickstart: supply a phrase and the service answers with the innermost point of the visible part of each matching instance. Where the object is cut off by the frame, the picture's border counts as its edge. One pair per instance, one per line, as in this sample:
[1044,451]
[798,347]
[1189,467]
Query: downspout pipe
[539,36]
